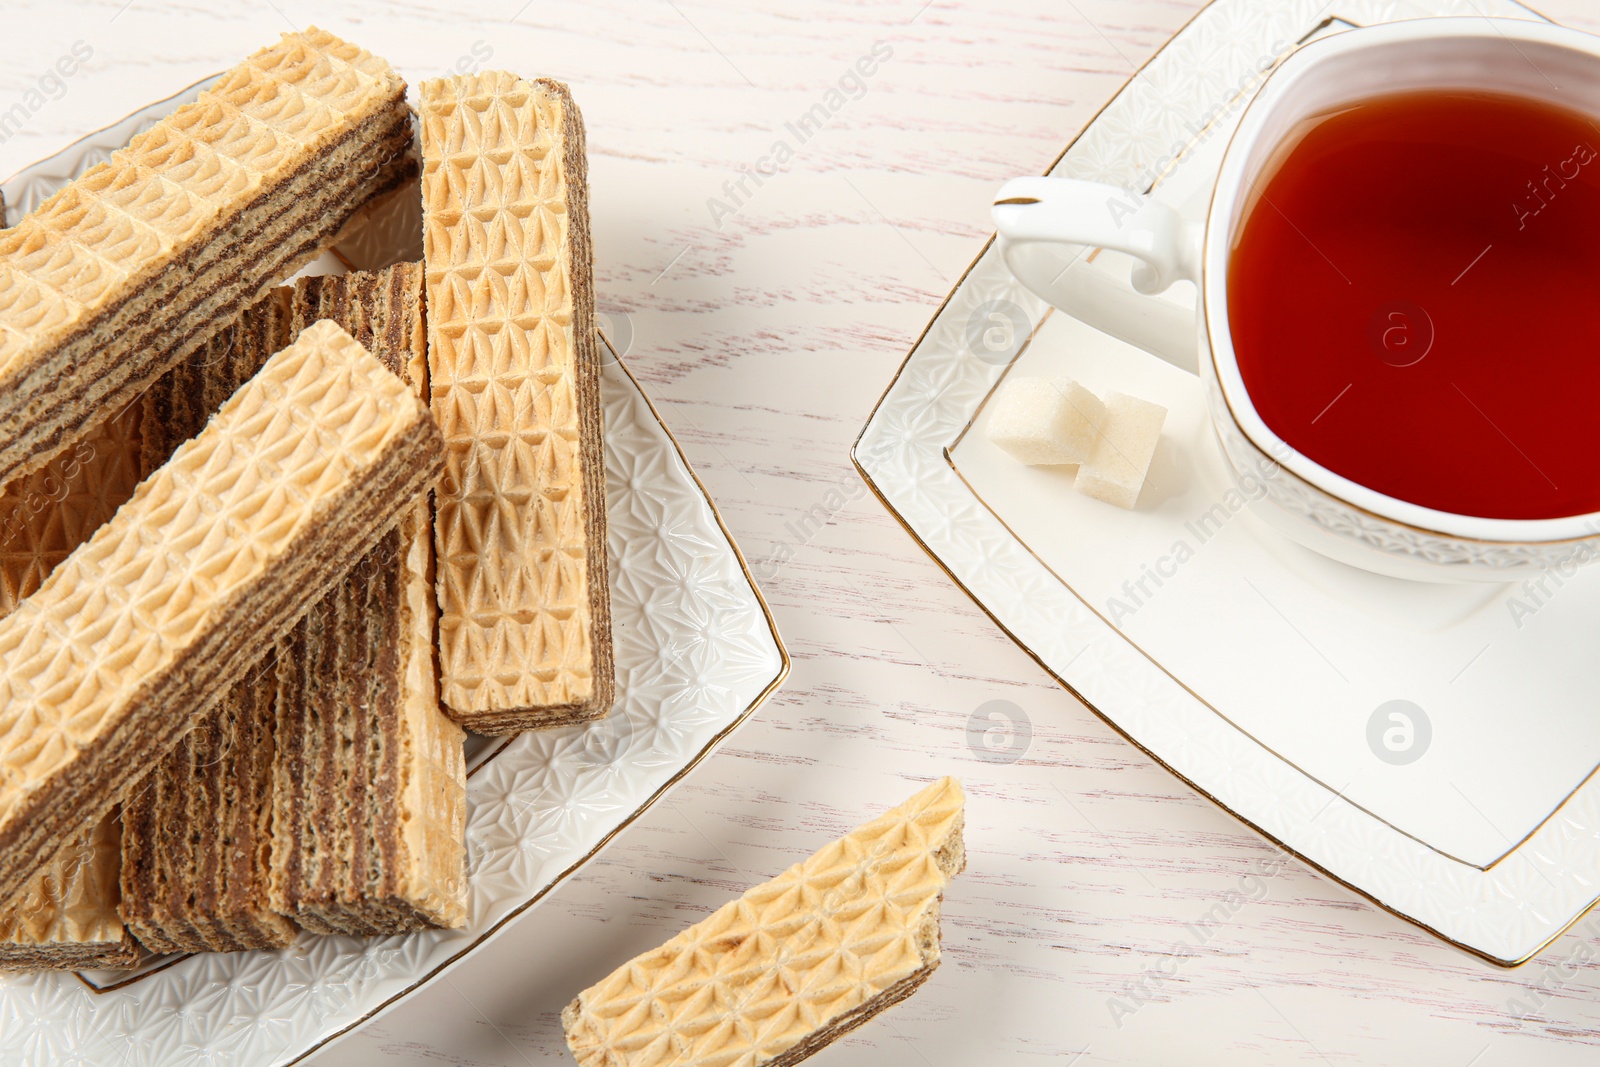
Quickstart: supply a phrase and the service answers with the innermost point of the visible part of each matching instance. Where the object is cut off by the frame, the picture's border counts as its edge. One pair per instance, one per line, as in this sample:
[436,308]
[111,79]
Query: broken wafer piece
[366,838]
[770,978]
[525,627]
[136,263]
[142,628]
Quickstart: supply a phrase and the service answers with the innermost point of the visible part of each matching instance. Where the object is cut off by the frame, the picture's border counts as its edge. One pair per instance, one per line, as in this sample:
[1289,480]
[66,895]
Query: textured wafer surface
[133,265]
[142,628]
[777,974]
[524,629]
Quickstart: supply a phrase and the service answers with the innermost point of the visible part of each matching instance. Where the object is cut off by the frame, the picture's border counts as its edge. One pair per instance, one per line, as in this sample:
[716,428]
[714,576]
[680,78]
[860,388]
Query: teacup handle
[1037,218]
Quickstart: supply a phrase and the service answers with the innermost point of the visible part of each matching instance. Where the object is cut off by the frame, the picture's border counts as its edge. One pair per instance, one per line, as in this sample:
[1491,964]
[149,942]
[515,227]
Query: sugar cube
[1045,420]
[1116,468]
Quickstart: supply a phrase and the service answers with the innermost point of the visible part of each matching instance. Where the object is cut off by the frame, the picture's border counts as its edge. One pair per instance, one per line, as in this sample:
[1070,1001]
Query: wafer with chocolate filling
[364,839]
[770,978]
[197,833]
[524,629]
[136,263]
[145,626]
[369,831]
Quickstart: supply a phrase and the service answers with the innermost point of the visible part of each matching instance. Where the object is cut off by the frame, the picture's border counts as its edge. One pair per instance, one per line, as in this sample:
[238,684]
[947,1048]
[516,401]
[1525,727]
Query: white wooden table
[766,330]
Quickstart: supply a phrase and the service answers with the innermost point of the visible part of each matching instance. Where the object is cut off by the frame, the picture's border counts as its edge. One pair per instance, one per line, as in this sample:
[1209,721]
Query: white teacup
[1045,223]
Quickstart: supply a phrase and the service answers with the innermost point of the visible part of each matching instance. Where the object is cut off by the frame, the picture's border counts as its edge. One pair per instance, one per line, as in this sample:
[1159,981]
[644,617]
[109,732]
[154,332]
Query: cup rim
[1213,298]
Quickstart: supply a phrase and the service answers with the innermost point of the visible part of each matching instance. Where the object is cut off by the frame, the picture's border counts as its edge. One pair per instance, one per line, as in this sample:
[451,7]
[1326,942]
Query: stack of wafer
[227,690]
[339,785]
[142,628]
[212,204]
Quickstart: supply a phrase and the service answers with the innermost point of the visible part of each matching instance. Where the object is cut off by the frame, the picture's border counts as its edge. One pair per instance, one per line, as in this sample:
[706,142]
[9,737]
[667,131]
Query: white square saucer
[1430,746]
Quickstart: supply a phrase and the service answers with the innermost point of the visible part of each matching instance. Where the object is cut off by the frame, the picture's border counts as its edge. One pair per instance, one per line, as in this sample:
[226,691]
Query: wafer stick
[141,629]
[135,264]
[197,833]
[369,832]
[770,978]
[68,918]
[524,629]
[365,838]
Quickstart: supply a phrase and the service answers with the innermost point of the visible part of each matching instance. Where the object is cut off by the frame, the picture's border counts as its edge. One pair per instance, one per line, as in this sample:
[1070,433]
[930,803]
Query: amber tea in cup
[1414,296]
